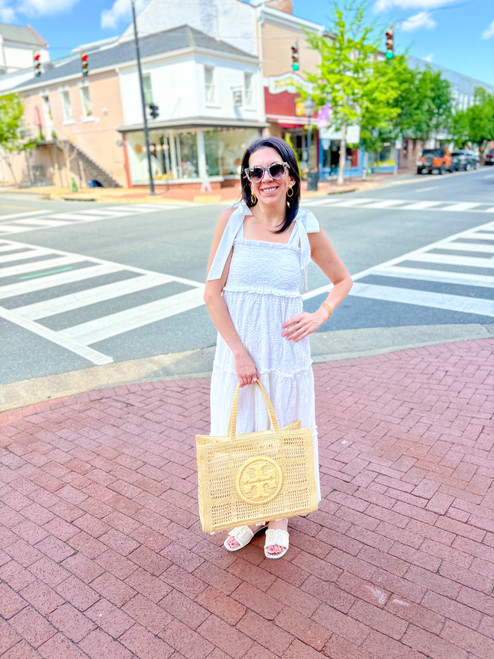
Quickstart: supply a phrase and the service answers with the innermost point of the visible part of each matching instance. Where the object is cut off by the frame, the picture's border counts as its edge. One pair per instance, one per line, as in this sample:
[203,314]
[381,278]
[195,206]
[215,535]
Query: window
[87,109]
[209,85]
[148,92]
[66,106]
[249,90]
[45,99]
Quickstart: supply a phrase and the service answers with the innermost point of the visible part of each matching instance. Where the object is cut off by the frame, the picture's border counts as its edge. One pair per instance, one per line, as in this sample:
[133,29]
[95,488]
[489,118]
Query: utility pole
[143,101]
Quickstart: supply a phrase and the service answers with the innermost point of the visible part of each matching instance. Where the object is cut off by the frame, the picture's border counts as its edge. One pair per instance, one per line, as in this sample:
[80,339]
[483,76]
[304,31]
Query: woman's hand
[305,323]
[245,369]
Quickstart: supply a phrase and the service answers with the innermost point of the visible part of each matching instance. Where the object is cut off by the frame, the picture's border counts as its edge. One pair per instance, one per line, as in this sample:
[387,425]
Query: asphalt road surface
[86,284]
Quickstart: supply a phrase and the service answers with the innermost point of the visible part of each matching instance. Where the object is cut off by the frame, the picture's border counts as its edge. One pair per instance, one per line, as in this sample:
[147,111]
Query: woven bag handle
[232,424]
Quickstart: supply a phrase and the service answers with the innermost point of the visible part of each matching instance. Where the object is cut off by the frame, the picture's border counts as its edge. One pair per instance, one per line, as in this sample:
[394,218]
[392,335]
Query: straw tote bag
[256,476]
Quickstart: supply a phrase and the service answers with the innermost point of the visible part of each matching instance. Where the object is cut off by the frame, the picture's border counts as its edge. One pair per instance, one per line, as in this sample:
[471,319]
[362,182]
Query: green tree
[477,121]
[12,137]
[349,79]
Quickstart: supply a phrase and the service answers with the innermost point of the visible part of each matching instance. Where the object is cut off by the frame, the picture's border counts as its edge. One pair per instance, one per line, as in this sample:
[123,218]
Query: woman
[260,248]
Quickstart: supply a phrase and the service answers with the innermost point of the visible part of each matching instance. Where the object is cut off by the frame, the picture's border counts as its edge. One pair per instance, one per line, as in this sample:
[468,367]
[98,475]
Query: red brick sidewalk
[102,555]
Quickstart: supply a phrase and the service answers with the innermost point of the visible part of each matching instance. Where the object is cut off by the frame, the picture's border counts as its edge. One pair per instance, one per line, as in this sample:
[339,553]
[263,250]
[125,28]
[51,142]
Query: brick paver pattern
[102,553]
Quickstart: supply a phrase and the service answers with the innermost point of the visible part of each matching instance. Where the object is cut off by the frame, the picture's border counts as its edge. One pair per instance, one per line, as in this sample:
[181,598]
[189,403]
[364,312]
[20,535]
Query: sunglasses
[276,170]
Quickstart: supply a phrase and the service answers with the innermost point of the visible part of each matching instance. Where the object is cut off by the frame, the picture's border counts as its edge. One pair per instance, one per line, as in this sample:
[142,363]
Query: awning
[194,122]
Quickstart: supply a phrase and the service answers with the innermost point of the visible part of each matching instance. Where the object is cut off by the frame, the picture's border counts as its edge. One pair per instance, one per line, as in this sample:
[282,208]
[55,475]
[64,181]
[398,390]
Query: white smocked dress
[261,293]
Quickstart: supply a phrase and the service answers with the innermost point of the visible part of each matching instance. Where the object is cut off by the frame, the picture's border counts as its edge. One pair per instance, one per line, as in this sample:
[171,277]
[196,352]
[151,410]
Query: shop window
[66,106]
[148,91]
[87,108]
[186,148]
[249,90]
[210,86]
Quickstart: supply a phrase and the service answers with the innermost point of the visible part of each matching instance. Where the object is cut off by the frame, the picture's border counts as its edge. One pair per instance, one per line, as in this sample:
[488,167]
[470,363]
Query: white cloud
[422,20]
[119,13]
[385,5]
[489,32]
[11,11]
[429,57]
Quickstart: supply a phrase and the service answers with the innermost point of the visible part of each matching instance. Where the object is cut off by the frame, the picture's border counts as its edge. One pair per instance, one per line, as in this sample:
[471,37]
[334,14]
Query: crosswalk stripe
[11,216]
[444,276]
[90,296]
[357,201]
[8,248]
[22,256]
[452,259]
[386,203]
[106,212]
[466,247]
[67,216]
[321,202]
[422,205]
[59,279]
[124,321]
[481,235]
[424,298]
[11,228]
[90,354]
[40,265]
[31,221]
[462,206]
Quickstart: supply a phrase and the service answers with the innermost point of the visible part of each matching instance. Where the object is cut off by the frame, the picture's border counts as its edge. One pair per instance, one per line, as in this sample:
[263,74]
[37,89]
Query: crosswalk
[454,274]
[339,201]
[44,291]
[33,220]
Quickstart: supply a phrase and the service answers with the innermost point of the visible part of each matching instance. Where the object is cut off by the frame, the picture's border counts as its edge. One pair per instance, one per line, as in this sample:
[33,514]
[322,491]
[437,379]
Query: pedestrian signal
[295,58]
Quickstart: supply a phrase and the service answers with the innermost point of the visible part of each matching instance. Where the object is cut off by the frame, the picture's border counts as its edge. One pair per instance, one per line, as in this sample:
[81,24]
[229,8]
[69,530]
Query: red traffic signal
[389,44]
[84,64]
[295,58]
[37,64]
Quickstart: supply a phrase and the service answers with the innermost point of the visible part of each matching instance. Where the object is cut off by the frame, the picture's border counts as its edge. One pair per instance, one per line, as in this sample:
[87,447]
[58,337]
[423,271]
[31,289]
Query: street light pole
[143,100]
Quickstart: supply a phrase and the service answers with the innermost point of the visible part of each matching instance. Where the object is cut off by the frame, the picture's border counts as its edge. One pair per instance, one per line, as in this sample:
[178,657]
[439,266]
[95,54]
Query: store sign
[352,134]
[285,83]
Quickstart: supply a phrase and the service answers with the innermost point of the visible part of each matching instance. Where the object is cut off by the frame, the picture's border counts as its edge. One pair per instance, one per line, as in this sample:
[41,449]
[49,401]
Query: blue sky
[456,34]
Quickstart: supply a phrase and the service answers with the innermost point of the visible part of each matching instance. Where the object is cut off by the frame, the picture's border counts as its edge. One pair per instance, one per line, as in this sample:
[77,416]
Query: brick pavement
[101,551]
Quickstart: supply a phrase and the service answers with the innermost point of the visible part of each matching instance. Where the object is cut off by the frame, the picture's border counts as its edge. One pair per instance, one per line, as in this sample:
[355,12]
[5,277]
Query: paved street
[84,284]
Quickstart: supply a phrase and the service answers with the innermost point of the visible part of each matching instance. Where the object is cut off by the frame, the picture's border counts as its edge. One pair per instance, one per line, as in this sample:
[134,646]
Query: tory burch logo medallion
[259,480]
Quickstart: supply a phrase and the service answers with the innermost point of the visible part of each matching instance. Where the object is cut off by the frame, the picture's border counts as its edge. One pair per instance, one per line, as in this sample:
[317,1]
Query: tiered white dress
[262,292]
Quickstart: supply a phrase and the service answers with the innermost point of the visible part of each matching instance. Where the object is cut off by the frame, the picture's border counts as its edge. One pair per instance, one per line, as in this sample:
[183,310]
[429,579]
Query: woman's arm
[244,365]
[324,255]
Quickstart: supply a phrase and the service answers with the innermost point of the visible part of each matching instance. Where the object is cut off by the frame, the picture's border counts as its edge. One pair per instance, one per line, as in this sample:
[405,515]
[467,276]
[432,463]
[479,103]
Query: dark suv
[431,159]
[465,159]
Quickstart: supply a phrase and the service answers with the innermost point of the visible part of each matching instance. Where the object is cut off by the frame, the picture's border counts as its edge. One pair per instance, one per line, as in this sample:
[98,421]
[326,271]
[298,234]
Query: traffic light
[37,64]
[295,58]
[153,110]
[389,43]
[84,64]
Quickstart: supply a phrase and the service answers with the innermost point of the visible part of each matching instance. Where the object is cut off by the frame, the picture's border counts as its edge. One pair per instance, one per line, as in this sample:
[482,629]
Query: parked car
[489,158]
[465,159]
[435,159]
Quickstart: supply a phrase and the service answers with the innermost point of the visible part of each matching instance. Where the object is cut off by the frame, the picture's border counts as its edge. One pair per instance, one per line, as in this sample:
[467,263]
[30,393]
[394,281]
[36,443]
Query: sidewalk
[102,554]
[184,194]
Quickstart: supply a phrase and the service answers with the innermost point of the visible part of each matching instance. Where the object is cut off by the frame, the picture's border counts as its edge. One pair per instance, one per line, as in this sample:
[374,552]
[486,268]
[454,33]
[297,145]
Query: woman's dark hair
[287,155]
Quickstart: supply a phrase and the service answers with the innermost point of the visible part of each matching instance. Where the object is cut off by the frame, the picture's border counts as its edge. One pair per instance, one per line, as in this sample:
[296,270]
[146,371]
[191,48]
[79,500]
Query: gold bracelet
[330,311]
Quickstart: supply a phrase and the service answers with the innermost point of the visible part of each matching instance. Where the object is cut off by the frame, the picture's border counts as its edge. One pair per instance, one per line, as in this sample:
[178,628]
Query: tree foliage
[12,137]
[475,125]
[349,79]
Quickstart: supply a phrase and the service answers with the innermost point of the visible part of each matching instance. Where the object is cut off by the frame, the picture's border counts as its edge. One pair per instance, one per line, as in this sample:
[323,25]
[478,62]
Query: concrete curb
[326,346]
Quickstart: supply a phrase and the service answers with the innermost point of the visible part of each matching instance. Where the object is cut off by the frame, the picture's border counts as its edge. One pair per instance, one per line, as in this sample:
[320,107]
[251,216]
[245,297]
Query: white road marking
[443,276]
[466,247]
[64,341]
[38,223]
[21,256]
[91,296]
[124,321]
[453,259]
[386,203]
[355,201]
[422,205]
[58,279]
[424,298]
[47,264]
[462,206]
[432,187]
[11,216]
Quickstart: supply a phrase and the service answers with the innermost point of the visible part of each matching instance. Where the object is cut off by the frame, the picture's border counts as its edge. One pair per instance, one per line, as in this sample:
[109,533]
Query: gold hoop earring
[289,190]
[253,199]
